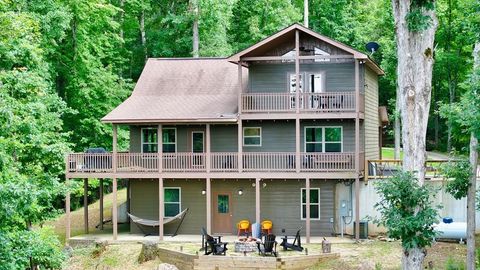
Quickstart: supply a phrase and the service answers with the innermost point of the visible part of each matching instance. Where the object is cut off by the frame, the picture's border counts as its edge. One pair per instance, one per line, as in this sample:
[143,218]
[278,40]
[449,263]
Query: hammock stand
[155,223]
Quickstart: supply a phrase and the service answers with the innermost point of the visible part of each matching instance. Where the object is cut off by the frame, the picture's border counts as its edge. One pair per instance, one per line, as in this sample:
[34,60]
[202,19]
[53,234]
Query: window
[314,203]
[149,140]
[252,136]
[169,140]
[223,203]
[172,201]
[315,83]
[319,51]
[323,139]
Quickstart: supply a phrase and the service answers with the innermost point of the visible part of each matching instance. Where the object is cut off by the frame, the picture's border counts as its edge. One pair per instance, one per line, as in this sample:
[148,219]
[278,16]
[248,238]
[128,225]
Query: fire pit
[246,244]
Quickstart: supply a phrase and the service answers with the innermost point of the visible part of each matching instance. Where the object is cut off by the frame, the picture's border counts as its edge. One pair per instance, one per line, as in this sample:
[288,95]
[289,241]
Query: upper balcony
[327,102]
[183,163]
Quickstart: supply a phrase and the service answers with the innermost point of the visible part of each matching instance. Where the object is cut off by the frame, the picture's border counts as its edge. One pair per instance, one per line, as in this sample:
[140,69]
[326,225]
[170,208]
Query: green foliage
[417,20]
[458,175]
[407,210]
[41,246]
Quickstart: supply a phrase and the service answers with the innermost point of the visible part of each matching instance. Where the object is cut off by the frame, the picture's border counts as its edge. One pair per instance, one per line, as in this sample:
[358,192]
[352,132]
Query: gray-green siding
[371,116]
[265,78]
[277,136]
[280,202]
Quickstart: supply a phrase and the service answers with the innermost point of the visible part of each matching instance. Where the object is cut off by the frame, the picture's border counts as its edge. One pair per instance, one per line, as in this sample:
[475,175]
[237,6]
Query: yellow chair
[267,226]
[243,226]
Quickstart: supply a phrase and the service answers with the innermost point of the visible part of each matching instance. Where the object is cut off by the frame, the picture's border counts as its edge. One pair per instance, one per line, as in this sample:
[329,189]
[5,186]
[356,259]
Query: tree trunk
[414,74]
[397,127]
[142,33]
[195,38]
[471,204]
[473,180]
[413,258]
[414,71]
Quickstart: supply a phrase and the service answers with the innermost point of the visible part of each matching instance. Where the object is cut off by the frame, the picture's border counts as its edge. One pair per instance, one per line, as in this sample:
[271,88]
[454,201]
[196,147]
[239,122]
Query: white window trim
[323,138]
[176,137]
[251,145]
[142,137]
[301,204]
[179,202]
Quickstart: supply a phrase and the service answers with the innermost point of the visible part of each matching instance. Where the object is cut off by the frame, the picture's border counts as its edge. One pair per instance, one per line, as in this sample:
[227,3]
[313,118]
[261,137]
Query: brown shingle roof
[188,89]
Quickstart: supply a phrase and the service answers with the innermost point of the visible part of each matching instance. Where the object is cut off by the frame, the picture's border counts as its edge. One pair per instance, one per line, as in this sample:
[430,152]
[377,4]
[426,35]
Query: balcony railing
[219,162]
[309,102]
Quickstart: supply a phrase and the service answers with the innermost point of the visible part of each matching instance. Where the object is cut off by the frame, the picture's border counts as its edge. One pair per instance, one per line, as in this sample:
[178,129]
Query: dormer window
[291,54]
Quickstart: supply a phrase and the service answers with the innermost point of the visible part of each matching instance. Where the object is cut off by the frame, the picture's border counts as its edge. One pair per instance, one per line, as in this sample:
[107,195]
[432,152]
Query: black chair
[213,245]
[268,246]
[296,245]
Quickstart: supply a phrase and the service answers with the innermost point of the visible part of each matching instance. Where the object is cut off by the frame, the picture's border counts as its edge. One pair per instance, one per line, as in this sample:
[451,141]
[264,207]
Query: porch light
[204,192]
[240,192]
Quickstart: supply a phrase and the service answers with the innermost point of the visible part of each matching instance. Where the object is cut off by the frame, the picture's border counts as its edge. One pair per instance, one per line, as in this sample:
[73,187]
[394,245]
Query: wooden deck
[339,102]
[215,162]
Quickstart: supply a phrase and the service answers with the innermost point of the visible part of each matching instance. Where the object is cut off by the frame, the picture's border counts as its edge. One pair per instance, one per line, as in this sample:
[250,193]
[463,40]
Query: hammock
[155,223]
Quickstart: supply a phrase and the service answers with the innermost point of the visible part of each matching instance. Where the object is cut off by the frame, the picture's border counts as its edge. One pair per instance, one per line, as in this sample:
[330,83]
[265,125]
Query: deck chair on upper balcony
[297,243]
[154,223]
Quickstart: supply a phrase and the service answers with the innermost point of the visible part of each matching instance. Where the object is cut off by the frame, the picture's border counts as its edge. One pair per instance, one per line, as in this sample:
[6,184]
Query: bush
[407,210]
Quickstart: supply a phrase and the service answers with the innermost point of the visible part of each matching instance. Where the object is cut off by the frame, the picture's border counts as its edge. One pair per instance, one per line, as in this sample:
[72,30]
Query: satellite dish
[372,47]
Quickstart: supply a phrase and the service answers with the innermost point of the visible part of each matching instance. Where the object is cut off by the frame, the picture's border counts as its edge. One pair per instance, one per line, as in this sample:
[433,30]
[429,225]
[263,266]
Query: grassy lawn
[77,224]
[387,153]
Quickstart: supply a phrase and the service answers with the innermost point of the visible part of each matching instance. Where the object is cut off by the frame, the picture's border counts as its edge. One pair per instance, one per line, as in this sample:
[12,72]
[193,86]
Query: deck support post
[240,145]
[307,211]
[357,149]
[160,148]
[257,200]
[101,203]
[67,211]
[114,210]
[85,205]
[207,139]
[297,145]
[209,205]
[161,207]
[297,71]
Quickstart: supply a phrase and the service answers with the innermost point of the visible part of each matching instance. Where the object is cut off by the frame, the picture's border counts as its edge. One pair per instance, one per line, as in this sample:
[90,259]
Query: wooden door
[222,212]
[198,148]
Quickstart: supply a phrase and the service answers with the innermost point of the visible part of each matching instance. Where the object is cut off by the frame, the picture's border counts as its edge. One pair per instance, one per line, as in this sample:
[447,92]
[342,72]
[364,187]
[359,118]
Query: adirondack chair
[268,246]
[213,245]
[296,245]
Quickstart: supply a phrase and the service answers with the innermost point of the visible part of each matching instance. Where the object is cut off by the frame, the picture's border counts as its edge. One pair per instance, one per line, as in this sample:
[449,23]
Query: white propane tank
[453,230]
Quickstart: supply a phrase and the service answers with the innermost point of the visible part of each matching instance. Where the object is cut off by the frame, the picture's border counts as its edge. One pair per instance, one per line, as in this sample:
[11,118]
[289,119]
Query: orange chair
[267,226]
[243,226]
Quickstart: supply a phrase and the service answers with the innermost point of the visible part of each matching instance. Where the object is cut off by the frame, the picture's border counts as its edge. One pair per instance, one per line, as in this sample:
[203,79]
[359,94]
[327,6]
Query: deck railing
[224,162]
[219,162]
[309,102]
[268,162]
[327,161]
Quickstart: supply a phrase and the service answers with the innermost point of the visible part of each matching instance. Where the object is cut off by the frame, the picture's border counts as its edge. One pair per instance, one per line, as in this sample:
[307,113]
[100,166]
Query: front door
[198,148]
[222,212]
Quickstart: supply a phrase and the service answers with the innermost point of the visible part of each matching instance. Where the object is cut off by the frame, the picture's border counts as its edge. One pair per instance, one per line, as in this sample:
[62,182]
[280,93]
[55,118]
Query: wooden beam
[114,210]
[114,148]
[303,57]
[101,203]
[357,150]
[160,148]
[297,145]
[161,207]
[240,145]
[307,212]
[85,205]
[297,71]
[257,200]
[240,85]
[67,211]
[207,139]
[209,205]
